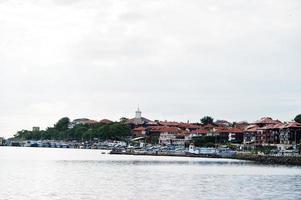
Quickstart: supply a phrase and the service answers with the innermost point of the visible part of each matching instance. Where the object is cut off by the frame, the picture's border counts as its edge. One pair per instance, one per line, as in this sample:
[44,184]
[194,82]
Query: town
[142,135]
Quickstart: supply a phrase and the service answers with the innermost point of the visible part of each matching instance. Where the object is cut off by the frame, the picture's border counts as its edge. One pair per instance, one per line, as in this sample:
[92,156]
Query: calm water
[63,174]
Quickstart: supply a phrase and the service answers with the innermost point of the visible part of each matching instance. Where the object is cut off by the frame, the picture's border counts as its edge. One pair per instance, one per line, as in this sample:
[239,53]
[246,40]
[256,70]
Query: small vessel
[225,152]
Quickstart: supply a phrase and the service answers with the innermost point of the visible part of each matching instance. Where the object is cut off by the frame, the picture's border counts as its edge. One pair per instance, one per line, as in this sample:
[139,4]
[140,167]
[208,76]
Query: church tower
[138,114]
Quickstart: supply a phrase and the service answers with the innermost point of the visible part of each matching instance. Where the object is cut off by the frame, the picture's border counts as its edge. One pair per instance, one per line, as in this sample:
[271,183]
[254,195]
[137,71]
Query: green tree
[52,133]
[123,119]
[62,124]
[207,120]
[298,118]
[79,132]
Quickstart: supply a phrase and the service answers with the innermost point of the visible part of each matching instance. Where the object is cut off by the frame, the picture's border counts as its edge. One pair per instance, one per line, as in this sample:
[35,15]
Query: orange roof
[105,121]
[199,131]
[229,130]
[209,126]
[292,125]
[139,129]
[267,120]
[168,129]
[251,128]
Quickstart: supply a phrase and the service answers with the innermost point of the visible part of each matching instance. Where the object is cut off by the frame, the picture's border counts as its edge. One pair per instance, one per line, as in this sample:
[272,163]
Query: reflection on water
[33,173]
[141,161]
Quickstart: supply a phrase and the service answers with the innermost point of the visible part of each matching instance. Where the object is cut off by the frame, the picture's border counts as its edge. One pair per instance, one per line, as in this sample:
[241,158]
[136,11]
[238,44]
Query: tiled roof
[139,129]
[163,129]
[105,121]
[267,120]
[229,130]
[293,125]
[251,128]
[272,126]
[199,131]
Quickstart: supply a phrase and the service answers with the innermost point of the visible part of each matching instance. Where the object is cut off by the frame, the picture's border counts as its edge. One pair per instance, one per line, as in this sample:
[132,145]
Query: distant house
[290,133]
[35,129]
[267,130]
[233,135]
[82,121]
[249,134]
[199,133]
[266,121]
[269,134]
[168,135]
[105,121]
[222,123]
[241,125]
[139,132]
[138,120]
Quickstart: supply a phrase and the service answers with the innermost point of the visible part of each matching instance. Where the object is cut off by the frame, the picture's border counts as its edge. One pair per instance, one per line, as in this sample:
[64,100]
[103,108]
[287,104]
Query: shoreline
[259,159]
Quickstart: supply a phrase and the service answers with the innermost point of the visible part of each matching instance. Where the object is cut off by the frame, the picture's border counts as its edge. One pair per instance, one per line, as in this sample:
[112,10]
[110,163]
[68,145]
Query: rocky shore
[272,160]
[261,159]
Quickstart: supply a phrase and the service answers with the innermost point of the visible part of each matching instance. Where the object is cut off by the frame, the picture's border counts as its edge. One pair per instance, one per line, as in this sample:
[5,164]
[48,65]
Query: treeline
[80,132]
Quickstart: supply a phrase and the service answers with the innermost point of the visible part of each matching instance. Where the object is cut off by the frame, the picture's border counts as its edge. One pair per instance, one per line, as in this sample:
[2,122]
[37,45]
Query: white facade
[138,114]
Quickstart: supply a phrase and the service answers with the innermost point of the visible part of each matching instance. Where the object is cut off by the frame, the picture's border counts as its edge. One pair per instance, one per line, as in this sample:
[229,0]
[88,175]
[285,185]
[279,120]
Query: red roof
[105,121]
[183,133]
[292,125]
[267,120]
[251,128]
[164,129]
[229,130]
[168,129]
[272,126]
[199,131]
[139,129]
[166,123]
[209,126]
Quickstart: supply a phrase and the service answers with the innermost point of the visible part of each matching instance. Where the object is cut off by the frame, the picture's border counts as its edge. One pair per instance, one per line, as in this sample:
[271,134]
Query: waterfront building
[168,135]
[139,132]
[199,132]
[105,121]
[269,134]
[266,134]
[138,120]
[232,135]
[35,129]
[82,121]
[222,123]
[249,134]
[290,133]
[1,141]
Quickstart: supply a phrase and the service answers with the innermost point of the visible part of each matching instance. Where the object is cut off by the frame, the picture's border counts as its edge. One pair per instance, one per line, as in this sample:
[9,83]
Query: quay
[259,159]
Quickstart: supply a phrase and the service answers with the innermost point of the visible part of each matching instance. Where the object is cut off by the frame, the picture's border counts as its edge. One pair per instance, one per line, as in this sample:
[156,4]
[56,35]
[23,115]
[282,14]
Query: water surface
[63,174]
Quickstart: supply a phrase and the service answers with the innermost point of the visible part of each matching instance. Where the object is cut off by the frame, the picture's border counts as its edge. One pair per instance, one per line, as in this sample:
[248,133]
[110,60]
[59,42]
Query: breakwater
[268,159]
[261,159]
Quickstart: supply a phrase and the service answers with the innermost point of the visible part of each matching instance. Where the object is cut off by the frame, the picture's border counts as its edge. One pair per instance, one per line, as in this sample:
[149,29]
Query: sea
[80,174]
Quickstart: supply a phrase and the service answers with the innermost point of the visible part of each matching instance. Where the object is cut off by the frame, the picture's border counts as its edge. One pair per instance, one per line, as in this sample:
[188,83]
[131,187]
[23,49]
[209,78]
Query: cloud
[237,60]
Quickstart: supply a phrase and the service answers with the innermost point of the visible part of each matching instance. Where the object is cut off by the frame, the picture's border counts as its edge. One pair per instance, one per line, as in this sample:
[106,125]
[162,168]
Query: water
[63,174]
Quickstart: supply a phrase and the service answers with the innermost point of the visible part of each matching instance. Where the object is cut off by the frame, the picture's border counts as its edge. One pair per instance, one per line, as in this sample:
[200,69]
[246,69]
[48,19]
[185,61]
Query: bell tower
[138,114]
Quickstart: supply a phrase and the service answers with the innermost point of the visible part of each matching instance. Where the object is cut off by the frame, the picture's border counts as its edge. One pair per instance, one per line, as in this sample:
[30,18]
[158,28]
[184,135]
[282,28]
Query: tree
[298,118]
[79,132]
[207,120]
[62,124]
[123,119]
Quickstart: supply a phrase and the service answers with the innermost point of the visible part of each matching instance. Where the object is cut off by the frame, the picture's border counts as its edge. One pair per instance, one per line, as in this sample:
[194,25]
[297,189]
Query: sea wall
[261,159]
[266,159]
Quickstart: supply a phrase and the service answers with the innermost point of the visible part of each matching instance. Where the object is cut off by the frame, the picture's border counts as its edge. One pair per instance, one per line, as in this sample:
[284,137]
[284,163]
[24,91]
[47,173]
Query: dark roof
[138,121]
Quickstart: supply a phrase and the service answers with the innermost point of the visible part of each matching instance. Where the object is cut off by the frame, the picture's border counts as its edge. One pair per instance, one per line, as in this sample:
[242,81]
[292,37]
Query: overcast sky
[179,60]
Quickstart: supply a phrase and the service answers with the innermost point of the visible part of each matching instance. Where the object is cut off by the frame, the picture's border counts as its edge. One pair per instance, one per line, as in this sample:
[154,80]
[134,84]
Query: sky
[178,60]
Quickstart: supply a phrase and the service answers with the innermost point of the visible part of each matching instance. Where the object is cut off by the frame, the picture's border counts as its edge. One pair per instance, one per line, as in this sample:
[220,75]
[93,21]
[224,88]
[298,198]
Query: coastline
[260,159]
